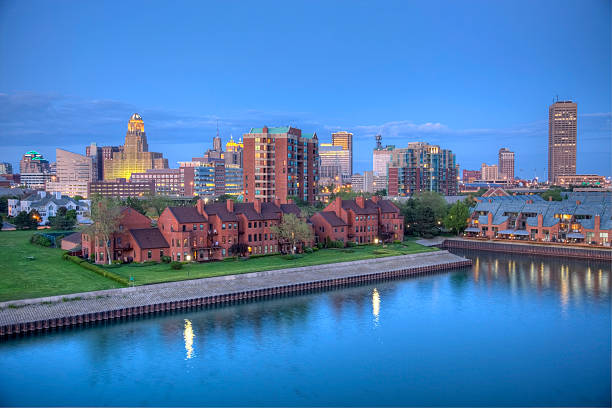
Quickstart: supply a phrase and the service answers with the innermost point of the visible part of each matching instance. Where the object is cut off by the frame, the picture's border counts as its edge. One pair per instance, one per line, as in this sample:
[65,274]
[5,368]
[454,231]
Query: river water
[510,331]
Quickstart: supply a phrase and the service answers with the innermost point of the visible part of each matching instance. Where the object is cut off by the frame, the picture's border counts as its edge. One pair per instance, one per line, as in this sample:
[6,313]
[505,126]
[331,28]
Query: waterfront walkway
[62,308]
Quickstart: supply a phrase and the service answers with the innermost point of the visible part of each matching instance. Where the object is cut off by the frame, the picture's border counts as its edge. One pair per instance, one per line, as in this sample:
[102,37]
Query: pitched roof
[186,214]
[332,219]
[291,209]
[270,211]
[220,210]
[369,207]
[149,238]
[75,238]
[248,209]
[387,206]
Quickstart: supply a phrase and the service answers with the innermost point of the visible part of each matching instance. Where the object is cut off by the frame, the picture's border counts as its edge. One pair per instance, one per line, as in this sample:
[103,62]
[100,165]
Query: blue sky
[472,76]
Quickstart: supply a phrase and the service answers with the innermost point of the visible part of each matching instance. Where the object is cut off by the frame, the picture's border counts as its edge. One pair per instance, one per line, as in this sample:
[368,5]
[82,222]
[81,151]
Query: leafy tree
[239,248]
[292,231]
[78,198]
[553,193]
[63,220]
[457,218]
[105,214]
[159,203]
[135,204]
[435,201]
[25,220]
[224,197]
[425,221]
[381,193]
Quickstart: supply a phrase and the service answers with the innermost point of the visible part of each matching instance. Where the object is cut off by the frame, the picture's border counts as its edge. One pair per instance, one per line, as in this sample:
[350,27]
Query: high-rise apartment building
[506,164]
[6,168]
[134,156]
[100,155]
[280,162]
[74,172]
[422,167]
[489,172]
[562,137]
[345,140]
[216,178]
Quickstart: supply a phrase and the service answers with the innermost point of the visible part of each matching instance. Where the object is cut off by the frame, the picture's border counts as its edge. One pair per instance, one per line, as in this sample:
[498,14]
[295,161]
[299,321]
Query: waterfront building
[280,162]
[344,140]
[360,220]
[422,167]
[134,156]
[489,172]
[186,230]
[470,176]
[579,217]
[121,188]
[562,138]
[170,182]
[74,172]
[6,168]
[47,204]
[133,241]
[506,164]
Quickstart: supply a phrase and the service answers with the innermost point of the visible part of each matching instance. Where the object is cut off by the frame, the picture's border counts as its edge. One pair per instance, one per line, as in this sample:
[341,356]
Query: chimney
[230,205]
[257,205]
[338,206]
[360,200]
[200,206]
[550,198]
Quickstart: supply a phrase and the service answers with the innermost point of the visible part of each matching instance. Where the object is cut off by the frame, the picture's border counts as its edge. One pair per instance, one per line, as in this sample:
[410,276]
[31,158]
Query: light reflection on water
[512,330]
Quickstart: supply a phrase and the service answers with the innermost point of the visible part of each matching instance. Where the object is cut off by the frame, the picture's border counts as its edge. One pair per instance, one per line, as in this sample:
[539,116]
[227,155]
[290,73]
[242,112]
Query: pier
[33,315]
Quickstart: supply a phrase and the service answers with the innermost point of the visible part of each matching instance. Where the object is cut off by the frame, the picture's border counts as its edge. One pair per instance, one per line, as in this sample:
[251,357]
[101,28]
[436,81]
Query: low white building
[47,205]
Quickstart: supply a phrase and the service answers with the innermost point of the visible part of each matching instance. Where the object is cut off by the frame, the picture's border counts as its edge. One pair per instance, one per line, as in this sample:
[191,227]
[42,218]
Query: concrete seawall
[33,315]
[600,254]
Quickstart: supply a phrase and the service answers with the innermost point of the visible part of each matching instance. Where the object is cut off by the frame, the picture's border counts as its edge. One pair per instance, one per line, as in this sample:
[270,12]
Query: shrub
[95,268]
[38,239]
[315,249]
[319,245]
[116,262]
[176,265]
[166,259]
[149,263]
[397,241]
[351,244]
[308,250]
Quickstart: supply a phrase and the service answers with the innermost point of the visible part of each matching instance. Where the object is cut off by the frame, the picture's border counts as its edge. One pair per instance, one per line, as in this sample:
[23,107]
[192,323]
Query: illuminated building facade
[489,172]
[422,167]
[121,188]
[233,152]
[169,182]
[280,162]
[134,156]
[562,132]
[506,164]
[335,162]
[74,172]
[345,140]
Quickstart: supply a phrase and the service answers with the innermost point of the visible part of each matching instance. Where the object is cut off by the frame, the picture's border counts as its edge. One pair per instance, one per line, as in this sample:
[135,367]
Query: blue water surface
[510,331]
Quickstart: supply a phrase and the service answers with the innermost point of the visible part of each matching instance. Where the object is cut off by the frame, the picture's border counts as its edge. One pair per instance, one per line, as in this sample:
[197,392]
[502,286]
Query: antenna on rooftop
[217,127]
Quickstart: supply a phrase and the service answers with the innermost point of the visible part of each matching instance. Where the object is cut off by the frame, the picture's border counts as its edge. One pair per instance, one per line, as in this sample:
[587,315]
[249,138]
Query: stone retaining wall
[64,318]
[527,249]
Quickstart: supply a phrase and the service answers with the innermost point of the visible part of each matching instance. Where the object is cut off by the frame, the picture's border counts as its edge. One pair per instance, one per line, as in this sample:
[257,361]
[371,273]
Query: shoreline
[40,314]
[599,254]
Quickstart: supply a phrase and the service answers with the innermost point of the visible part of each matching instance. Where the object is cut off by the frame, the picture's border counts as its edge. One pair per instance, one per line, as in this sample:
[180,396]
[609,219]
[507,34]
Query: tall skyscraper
[345,139]
[134,156]
[422,167]
[506,164]
[73,173]
[280,162]
[233,152]
[562,137]
[334,162]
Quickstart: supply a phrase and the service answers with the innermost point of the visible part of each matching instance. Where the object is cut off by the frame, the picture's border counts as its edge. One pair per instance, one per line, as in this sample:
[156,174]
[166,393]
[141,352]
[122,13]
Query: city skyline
[406,90]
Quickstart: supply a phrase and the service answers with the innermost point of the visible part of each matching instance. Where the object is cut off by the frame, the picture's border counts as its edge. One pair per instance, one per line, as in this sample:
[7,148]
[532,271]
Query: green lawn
[46,275]
[163,273]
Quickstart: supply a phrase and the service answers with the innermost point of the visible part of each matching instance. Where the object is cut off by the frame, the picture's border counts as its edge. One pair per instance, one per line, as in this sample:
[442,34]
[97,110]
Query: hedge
[95,268]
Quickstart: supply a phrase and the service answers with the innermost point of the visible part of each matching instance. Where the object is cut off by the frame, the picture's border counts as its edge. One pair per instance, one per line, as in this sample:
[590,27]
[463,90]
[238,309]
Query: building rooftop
[149,238]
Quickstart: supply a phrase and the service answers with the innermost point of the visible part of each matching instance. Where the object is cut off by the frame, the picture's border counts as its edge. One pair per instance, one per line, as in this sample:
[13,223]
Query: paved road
[91,302]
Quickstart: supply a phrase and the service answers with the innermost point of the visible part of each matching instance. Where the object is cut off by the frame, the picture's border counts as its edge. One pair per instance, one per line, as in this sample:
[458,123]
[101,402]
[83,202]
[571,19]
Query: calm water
[513,330]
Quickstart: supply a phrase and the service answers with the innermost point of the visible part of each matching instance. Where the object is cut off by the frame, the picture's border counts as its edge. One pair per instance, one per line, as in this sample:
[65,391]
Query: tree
[425,221]
[159,203]
[78,198]
[63,220]
[435,201]
[292,231]
[224,197]
[457,218]
[553,194]
[105,214]
[381,193]
[135,204]
[25,220]
[239,248]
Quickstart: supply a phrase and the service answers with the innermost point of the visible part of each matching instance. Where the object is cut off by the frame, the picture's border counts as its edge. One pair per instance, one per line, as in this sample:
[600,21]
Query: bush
[319,245]
[315,249]
[351,244]
[95,268]
[176,265]
[308,250]
[116,262]
[166,259]
[38,239]
[397,241]
[149,263]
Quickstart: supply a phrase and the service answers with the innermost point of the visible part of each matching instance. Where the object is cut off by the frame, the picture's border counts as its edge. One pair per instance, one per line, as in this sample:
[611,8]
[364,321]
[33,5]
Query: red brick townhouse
[360,221]
[134,240]
[186,230]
